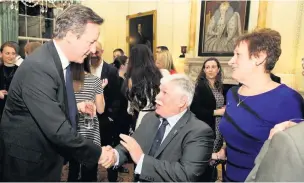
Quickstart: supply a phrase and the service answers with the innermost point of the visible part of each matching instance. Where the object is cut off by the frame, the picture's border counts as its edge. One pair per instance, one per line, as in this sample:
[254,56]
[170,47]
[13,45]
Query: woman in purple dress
[253,109]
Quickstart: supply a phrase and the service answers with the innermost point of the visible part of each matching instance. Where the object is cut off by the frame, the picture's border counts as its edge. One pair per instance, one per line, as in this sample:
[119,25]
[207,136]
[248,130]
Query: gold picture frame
[147,21]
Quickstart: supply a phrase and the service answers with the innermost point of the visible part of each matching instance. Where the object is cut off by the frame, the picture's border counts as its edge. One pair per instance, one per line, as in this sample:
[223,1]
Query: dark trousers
[81,173]
[109,136]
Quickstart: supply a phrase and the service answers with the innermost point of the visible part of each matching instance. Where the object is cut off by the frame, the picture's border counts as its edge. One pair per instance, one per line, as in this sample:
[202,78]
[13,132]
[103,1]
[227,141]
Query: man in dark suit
[38,127]
[275,78]
[171,144]
[107,119]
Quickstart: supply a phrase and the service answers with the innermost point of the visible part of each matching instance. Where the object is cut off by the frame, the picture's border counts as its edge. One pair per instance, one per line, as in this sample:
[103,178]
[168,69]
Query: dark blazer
[281,158]
[111,94]
[204,103]
[275,78]
[4,85]
[35,126]
[184,154]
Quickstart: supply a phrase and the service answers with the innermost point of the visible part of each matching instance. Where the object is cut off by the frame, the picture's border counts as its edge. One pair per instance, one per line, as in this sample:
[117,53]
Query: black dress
[6,76]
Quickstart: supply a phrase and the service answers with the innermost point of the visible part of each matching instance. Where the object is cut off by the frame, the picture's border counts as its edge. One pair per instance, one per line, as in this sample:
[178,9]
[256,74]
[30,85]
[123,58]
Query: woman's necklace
[240,101]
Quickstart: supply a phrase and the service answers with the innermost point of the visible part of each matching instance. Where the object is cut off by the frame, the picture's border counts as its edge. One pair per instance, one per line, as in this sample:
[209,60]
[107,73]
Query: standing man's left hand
[87,107]
[132,146]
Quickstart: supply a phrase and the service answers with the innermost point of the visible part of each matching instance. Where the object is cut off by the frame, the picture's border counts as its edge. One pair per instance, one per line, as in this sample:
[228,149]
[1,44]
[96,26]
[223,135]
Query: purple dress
[245,133]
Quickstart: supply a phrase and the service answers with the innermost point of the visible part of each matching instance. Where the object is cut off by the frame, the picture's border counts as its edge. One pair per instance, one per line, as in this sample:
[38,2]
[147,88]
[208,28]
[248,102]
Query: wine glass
[88,119]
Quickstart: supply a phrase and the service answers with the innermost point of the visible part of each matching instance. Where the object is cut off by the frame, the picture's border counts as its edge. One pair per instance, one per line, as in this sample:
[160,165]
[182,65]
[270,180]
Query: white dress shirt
[19,60]
[64,60]
[172,122]
[97,72]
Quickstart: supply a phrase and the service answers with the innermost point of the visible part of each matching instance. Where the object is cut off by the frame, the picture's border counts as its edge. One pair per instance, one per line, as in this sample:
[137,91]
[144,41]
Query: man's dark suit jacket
[275,78]
[35,128]
[184,154]
[111,96]
[111,91]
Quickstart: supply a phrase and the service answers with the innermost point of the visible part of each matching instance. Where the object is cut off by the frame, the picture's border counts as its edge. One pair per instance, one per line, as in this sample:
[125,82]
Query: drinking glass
[88,119]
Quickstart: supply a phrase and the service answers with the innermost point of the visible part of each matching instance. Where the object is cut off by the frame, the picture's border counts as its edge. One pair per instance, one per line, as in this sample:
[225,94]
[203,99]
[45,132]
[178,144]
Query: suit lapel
[52,49]
[104,71]
[150,136]
[174,131]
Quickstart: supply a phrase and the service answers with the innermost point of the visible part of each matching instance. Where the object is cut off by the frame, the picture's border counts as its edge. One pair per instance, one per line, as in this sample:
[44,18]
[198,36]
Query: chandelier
[44,4]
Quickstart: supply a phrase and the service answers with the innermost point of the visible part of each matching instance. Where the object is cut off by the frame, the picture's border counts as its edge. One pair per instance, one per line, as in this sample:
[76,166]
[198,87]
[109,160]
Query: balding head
[99,46]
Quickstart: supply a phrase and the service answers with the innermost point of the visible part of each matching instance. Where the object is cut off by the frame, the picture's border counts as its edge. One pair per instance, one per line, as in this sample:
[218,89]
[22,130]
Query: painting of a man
[142,29]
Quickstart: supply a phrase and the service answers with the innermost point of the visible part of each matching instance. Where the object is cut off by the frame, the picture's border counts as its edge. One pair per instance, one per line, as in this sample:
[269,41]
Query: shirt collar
[64,60]
[174,119]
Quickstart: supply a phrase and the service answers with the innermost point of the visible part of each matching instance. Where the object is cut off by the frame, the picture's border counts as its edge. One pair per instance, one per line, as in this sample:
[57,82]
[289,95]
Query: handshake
[108,157]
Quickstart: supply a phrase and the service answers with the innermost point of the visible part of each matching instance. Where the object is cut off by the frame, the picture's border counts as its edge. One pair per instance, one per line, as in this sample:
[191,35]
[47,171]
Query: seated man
[171,144]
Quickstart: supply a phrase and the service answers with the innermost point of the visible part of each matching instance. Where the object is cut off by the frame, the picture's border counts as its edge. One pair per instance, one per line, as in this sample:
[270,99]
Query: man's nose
[157,96]
[93,48]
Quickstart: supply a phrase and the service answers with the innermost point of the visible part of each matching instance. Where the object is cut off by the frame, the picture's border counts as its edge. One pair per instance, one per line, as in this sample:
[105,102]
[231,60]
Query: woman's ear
[261,58]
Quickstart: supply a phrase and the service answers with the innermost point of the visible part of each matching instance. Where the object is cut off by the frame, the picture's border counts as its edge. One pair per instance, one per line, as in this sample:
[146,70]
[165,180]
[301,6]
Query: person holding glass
[87,88]
[253,109]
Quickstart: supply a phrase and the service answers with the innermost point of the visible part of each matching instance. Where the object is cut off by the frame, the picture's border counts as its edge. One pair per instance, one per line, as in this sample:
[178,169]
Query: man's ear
[183,101]
[70,37]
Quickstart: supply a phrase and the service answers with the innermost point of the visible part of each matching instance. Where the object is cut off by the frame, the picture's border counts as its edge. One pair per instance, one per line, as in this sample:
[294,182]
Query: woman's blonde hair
[166,58]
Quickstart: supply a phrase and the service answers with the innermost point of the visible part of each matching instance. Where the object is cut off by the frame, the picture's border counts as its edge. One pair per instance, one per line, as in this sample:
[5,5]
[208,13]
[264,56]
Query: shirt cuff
[139,165]
[117,158]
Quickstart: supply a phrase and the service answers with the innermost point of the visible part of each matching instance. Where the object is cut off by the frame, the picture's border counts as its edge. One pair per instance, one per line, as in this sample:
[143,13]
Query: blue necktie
[159,137]
[71,97]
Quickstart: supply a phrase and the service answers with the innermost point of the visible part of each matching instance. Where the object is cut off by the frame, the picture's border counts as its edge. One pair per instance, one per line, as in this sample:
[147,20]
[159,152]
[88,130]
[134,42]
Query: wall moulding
[194,65]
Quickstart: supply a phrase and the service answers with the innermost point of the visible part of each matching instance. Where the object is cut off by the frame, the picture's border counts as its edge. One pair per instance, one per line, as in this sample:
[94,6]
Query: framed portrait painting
[141,29]
[221,23]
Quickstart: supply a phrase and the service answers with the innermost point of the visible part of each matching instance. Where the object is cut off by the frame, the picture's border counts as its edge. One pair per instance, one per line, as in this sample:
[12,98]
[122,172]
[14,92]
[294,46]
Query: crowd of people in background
[63,103]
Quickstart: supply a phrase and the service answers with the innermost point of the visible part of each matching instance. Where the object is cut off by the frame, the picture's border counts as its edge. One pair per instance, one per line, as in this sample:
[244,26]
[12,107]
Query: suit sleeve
[281,163]
[124,155]
[195,157]
[39,94]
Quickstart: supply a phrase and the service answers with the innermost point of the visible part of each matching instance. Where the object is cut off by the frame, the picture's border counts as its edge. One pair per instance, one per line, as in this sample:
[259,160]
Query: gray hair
[183,82]
[75,18]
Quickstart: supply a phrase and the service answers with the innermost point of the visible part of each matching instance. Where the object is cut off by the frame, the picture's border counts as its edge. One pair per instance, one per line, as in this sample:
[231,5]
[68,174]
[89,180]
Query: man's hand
[132,146]
[87,107]
[2,94]
[108,157]
[104,83]
[281,127]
